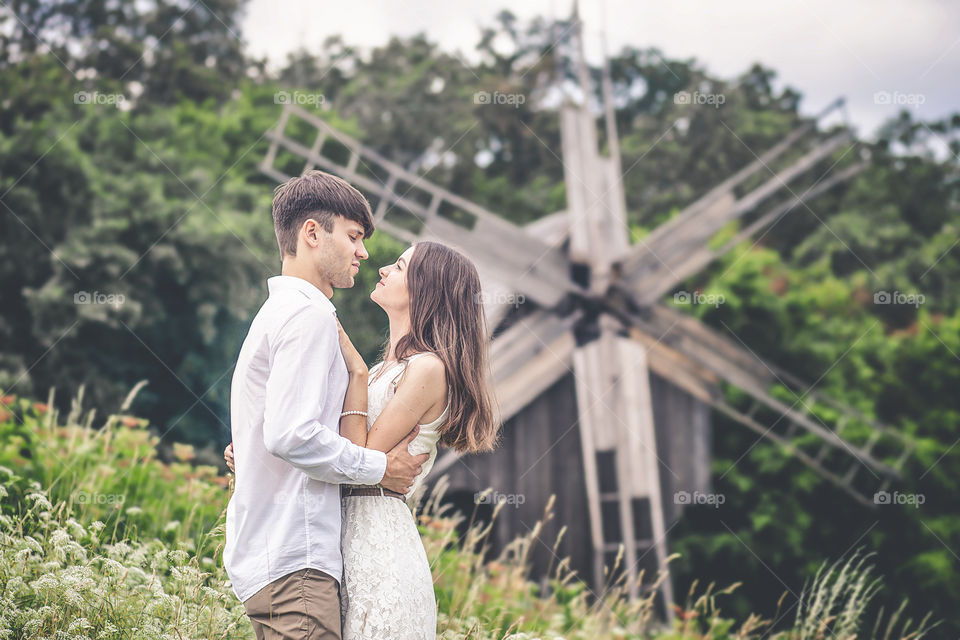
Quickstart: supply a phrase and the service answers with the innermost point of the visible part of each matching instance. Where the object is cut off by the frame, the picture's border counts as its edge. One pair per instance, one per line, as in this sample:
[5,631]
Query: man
[282,551]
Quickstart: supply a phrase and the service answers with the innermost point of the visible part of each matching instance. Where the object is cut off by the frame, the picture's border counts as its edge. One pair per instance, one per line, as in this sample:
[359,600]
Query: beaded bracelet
[354,413]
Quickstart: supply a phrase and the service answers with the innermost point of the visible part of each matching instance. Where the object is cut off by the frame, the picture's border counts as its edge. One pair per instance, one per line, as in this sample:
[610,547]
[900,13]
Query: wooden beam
[737,366]
[635,404]
[656,262]
[661,280]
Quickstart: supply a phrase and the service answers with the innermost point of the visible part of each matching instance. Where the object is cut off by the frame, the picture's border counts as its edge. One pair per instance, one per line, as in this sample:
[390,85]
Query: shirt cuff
[373,464]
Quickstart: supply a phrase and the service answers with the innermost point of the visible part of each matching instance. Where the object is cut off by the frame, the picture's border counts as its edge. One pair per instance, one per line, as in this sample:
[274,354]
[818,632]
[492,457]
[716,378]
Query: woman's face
[391,292]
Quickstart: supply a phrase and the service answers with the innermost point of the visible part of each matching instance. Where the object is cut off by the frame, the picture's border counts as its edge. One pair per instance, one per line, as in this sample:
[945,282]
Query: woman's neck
[399,327]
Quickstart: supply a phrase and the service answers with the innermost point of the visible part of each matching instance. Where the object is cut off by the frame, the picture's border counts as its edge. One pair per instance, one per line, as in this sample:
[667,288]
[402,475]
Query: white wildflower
[39,499]
[79,625]
[33,545]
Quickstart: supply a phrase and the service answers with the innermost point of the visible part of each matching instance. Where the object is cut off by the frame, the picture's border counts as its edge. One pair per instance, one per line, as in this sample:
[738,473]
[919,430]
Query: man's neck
[292,268]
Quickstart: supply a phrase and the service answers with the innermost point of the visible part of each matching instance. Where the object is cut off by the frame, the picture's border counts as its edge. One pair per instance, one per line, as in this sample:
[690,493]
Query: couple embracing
[320,541]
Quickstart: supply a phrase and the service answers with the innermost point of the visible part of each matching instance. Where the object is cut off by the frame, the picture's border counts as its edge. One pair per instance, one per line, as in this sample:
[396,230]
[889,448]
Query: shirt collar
[293,283]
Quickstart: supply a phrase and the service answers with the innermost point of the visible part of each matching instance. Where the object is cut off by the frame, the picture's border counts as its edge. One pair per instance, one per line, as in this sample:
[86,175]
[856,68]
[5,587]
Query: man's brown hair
[320,196]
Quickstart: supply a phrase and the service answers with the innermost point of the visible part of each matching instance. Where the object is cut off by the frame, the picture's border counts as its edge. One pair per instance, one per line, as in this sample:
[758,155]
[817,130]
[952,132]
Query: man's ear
[310,232]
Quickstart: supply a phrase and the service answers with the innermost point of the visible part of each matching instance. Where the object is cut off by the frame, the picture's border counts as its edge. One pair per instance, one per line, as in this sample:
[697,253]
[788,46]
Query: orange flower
[684,615]
[129,421]
[40,407]
[8,400]
[5,415]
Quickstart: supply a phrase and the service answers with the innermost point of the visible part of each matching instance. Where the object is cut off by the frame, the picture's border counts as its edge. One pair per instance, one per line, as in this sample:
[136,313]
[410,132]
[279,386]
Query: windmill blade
[660,258]
[724,189]
[660,280]
[708,351]
[529,357]
[621,465]
[410,208]
[499,299]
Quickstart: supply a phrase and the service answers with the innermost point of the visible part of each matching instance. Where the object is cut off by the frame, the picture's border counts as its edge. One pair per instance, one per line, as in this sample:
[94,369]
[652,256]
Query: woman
[433,372]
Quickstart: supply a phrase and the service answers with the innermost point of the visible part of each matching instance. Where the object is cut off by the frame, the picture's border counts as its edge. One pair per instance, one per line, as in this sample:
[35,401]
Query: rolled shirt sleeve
[302,354]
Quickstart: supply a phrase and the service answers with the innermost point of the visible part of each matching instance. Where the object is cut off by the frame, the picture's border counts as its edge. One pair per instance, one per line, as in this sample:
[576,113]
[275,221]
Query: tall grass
[100,539]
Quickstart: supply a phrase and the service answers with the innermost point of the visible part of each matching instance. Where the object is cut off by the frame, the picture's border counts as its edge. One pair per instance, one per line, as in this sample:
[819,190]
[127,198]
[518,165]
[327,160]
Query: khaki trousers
[303,605]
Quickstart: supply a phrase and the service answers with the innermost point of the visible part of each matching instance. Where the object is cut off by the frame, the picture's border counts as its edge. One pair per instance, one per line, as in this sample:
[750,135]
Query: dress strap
[399,377]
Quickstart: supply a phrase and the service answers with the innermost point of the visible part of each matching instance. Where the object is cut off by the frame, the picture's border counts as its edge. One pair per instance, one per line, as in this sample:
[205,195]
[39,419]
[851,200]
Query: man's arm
[295,397]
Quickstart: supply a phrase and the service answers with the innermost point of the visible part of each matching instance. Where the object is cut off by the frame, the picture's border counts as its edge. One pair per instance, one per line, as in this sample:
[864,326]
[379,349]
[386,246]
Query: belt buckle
[380,486]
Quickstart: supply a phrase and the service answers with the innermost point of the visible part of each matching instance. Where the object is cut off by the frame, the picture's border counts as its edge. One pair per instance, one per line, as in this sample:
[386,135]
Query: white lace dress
[387,586]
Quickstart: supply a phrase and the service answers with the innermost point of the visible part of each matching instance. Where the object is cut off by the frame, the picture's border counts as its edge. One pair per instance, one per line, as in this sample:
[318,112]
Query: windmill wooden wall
[540,456]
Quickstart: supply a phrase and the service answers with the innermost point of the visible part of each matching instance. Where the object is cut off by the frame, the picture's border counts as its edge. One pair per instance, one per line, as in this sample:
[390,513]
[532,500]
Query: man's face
[341,252]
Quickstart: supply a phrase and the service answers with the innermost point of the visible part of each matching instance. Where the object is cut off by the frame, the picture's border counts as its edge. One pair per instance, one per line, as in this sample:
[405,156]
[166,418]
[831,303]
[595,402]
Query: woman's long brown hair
[447,318]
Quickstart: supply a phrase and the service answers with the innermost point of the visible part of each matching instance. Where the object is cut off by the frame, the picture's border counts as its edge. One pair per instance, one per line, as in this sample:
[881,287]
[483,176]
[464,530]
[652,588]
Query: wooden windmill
[606,393]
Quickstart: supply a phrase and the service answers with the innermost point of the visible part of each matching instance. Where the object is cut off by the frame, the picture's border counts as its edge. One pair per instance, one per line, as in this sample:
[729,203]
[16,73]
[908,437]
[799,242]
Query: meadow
[102,539]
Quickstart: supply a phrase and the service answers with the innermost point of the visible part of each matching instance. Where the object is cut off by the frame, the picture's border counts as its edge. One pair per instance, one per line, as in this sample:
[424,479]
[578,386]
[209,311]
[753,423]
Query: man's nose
[362,253]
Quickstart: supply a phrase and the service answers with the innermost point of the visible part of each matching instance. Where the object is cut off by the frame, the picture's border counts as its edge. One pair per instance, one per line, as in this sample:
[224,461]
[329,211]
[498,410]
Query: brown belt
[346,491]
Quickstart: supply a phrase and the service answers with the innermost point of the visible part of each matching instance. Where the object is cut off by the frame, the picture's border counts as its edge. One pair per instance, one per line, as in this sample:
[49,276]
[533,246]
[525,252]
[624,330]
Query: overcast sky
[824,48]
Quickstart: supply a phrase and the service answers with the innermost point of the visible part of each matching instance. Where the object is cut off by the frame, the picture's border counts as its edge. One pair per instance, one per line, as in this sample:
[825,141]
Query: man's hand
[402,467]
[228,456]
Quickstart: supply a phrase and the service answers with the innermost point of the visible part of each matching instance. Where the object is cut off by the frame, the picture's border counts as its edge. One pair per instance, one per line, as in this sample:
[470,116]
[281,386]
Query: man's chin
[344,282]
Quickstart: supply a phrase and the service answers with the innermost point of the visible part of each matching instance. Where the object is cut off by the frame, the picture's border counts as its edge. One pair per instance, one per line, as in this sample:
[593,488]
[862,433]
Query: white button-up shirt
[285,403]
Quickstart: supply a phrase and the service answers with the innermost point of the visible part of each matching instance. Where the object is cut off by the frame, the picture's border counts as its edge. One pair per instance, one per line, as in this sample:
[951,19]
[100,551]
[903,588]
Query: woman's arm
[354,426]
[422,386]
